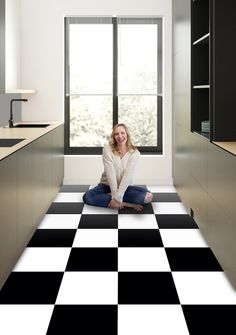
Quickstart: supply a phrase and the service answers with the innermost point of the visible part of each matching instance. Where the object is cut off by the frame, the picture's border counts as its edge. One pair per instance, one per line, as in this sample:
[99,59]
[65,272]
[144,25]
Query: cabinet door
[37,176]
[47,182]
[198,193]
[221,238]
[58,157]
[199,160]
[7,216]
[222,179]
[198,202]
[224,70]
[24,196]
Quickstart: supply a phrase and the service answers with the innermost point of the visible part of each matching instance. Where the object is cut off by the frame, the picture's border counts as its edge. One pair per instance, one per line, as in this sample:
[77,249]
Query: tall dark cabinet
[200,64]
[204,72]
[223,70]
[213,70]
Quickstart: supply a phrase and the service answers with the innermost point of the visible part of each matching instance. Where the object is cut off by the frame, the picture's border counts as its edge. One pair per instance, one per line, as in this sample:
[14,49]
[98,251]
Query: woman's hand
[115,204]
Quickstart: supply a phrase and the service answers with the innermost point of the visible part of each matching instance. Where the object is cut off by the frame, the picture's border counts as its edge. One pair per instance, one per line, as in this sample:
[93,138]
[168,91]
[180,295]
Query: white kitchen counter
[28,134]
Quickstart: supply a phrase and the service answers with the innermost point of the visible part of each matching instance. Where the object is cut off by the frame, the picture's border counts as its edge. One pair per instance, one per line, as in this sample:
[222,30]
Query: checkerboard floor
[91,270]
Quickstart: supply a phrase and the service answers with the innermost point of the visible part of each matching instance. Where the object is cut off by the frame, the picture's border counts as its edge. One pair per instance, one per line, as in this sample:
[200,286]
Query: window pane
[90,58]
[90,120]
[139,113]
[106,57]
[137,59]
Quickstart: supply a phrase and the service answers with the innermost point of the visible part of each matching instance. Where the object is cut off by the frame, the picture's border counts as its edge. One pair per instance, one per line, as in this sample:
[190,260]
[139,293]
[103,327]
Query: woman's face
[120,136]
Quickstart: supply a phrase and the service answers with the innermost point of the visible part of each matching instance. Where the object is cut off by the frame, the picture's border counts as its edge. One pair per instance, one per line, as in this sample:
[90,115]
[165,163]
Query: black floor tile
[166,197]
[31,288]
[147,209]
[210,319]
[146,288]
[65,208]
[74,188]
[182,221]
[192,259]
[139,238]
[83,319]
[93,259]
[52,238]
[98,221]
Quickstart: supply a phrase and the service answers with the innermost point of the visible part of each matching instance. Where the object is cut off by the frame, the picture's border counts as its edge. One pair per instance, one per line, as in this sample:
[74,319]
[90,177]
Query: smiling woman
[115,189]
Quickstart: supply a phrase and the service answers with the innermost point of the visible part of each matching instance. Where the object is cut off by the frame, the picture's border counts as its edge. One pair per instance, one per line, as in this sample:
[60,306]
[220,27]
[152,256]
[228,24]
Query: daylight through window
[113,74]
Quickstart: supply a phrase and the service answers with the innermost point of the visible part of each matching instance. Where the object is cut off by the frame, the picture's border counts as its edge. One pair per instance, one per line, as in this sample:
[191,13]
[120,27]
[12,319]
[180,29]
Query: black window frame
[98,150]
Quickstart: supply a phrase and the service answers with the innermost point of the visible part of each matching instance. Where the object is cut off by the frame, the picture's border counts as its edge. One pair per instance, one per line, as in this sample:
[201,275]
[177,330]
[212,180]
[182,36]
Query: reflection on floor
[117,272]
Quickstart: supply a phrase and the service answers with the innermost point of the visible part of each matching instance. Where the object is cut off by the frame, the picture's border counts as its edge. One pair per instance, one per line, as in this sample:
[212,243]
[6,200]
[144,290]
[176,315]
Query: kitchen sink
[32,125]
[10,142]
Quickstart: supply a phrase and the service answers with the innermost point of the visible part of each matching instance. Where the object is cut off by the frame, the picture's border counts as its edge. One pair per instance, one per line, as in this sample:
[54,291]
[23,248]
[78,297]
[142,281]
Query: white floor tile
[98,210]
[204,288]
[151,320]
[162,189]
[96,238]
[94,287]
[69,197]
[60,221]
[142,259]
[134,221]
[43,259]
[182,238]
[25,319]
[168,208]
[88,288]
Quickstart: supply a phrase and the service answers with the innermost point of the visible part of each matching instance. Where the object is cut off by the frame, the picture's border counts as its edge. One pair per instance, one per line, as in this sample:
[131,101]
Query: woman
[115,190]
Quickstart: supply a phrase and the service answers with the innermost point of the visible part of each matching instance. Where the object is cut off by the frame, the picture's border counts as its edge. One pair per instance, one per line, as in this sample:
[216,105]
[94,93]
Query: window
[113,71]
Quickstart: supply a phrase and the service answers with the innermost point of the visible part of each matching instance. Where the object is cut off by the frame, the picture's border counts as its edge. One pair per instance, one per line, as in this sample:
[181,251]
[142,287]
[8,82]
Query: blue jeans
[99,195]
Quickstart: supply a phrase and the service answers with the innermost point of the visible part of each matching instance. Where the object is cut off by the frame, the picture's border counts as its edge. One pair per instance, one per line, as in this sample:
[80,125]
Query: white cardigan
[118,172]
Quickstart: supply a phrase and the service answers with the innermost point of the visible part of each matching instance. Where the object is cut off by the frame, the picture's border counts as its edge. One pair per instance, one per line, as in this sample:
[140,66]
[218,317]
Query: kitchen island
[31,173]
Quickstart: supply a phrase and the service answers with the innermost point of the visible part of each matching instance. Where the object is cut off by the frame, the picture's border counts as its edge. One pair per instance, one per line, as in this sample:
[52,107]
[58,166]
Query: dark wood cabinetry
[200,64]
[29,180]
[203,173]
[223,70]
[213,69]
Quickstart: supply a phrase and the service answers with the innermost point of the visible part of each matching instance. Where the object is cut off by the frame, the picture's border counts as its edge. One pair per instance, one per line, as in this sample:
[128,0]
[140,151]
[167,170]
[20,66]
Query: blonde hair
[112,141]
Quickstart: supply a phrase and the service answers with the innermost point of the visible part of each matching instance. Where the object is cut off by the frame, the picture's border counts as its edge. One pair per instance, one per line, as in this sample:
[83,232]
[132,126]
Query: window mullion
[115,71]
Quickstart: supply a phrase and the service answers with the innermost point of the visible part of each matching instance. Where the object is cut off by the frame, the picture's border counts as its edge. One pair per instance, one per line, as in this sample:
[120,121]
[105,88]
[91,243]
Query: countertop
[228,146]
[28,134]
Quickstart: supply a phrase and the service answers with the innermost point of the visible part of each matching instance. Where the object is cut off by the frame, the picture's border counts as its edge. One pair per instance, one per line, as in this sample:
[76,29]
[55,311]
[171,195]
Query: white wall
[43,69]
[13,45]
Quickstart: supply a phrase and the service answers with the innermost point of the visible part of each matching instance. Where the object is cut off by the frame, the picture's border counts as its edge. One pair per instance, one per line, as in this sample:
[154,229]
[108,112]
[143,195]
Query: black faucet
[11,116]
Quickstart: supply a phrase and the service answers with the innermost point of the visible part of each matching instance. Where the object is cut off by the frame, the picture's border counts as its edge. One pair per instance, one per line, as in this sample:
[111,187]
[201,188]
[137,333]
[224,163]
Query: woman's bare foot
[137,207]
[148,197]
[115,204]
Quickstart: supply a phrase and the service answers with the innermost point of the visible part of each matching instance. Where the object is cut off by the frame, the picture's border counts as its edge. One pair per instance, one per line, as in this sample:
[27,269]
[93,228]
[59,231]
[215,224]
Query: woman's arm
[109,169]
[127,176]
